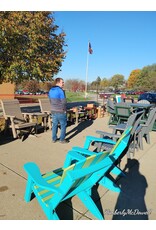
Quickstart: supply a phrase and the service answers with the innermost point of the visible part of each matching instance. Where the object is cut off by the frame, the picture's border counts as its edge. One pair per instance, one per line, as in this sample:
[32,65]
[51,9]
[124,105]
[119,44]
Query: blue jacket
[58,100]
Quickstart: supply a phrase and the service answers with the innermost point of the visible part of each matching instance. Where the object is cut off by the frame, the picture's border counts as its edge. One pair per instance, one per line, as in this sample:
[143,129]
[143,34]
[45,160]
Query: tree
[146,78]
[104,83]
[153,80]
[30,48]
[98,80]
[74,85]
[116,81]
[131,82]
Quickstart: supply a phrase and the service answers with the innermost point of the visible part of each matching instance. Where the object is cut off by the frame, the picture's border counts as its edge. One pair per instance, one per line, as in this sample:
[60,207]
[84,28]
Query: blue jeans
[59,118]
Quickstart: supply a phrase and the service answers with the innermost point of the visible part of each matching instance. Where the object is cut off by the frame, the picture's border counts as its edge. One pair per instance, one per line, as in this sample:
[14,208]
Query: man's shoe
[54,141]
[64,141]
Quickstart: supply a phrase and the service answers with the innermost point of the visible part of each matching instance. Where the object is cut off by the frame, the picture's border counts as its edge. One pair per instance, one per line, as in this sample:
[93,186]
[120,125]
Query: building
[7,91]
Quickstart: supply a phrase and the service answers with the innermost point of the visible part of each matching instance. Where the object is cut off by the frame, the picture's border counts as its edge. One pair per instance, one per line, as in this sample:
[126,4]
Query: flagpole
[87,72]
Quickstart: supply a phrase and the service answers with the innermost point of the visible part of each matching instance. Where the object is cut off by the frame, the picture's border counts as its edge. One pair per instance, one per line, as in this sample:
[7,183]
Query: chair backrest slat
[11,108]
[150,121]
[121,144]
[45,105]
[134,121]
[123,109]
[84,173]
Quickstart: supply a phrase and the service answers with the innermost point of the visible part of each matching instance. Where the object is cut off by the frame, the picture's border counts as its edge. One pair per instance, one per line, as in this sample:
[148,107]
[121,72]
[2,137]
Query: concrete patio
[135,202]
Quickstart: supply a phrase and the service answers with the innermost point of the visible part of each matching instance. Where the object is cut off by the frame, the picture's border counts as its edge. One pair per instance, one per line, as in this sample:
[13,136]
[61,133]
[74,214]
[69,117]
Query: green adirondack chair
[61,184]
[119,147]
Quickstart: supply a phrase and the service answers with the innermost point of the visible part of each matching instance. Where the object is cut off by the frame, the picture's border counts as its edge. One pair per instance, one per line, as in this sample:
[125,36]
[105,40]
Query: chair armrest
[34,114]
[90,139]
[47,112]
[142,121]
[72,155]
[103,134]
[10,116]
[34,174]
[82,150]
[143,125]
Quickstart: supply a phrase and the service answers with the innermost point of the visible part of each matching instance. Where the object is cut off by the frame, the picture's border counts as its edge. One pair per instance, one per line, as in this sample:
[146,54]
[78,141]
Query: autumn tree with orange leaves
[132,80]
[30,46]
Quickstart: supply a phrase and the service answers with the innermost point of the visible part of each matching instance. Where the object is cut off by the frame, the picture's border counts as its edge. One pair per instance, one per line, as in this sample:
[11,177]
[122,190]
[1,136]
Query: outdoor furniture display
[56,186]
[78,113]
[133,120]
[39,118]
[122,111]
[141,106]
[15,119]
[45,107]
[91,111]
[101,111]
[112,158]
[110,106]
[146,127]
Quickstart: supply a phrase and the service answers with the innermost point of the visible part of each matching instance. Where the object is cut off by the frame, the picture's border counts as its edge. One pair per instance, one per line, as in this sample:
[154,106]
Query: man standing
[58,109]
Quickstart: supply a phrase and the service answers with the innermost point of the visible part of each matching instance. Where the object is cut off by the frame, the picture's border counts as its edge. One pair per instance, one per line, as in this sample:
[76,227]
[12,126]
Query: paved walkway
[137,201]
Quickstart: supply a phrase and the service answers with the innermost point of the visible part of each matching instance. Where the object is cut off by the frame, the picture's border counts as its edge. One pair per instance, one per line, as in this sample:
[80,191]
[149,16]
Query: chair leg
[140,141]
[67,161]
[148,138]
[107,183]
[51,214]
[14,132]
[28,191]
[91,206]
[117,171]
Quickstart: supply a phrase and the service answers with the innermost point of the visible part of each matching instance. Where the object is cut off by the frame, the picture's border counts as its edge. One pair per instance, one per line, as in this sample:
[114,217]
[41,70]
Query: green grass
[80,96]
[71,97]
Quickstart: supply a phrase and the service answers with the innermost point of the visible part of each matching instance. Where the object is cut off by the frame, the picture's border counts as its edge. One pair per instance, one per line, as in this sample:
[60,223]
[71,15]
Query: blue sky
[122,34]
[121,41]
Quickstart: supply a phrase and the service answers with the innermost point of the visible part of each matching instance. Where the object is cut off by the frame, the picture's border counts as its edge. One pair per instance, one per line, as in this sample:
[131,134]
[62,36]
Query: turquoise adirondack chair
[61,184]
[119,147]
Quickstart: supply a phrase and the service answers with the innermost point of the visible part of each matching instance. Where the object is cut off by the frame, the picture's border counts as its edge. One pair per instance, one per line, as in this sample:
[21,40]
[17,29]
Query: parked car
[20,92]
[151,97]
[105,95]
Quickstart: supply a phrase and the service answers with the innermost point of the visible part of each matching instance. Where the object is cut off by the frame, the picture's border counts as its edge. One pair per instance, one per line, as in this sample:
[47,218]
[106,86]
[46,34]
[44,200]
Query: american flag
[90,49]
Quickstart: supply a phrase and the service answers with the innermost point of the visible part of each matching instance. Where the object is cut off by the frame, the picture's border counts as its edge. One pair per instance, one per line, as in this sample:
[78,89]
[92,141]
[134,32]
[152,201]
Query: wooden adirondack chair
[15,119]
[112,158]
[61,184]
[46,108]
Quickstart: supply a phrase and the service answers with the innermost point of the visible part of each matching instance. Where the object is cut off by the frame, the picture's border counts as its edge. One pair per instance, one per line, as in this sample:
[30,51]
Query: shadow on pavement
[131,203]
[76,130]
